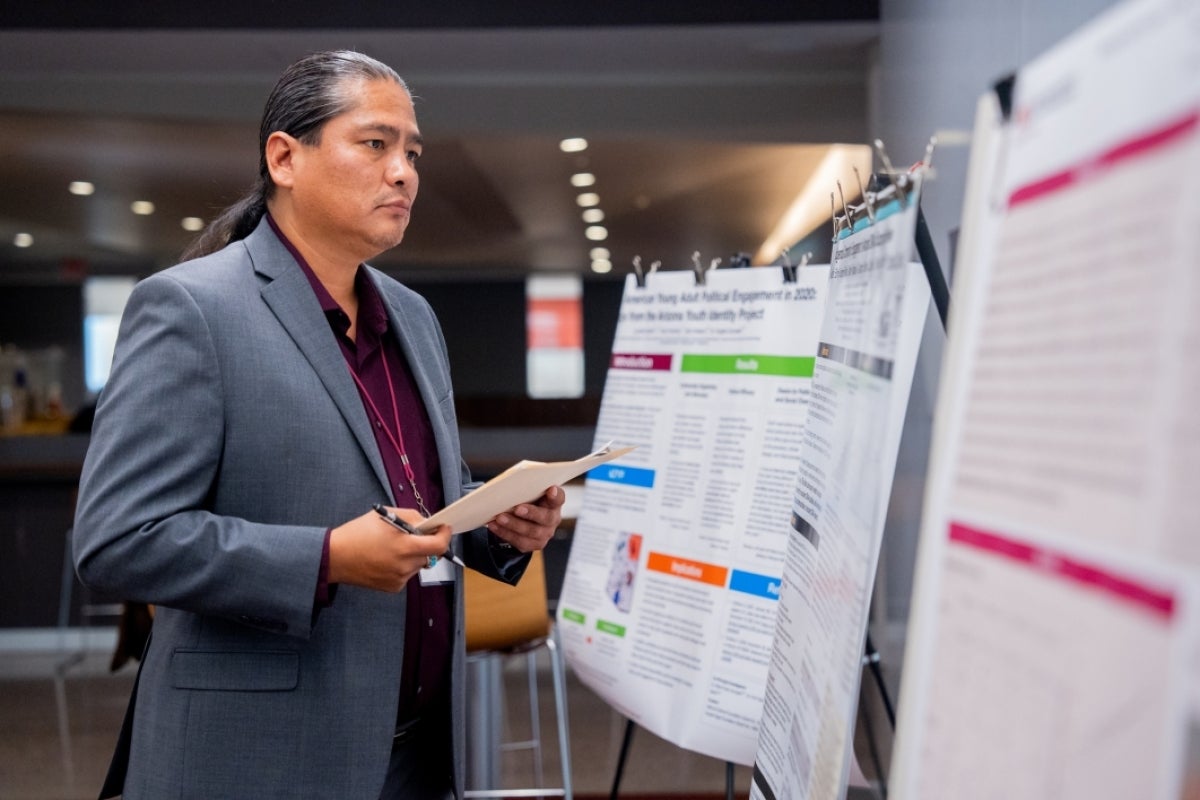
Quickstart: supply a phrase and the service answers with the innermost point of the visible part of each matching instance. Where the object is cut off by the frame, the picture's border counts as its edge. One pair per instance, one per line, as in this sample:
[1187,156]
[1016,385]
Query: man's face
[353,191]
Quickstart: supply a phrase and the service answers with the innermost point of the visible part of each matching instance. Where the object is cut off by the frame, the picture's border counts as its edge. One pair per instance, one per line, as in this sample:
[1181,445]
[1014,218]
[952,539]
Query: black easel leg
[872,659]
[728,780]
[616,786]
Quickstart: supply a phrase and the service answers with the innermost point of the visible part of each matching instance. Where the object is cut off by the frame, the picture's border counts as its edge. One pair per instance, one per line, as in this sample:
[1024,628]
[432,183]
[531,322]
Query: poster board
[668,604]
[1052,644]
[878,300]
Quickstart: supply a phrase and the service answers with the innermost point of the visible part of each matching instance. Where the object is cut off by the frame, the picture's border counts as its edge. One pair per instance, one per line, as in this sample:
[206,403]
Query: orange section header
[686,568]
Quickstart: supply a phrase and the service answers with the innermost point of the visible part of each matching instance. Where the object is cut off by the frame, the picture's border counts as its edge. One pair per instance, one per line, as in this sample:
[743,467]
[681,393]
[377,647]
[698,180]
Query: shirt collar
[372,316]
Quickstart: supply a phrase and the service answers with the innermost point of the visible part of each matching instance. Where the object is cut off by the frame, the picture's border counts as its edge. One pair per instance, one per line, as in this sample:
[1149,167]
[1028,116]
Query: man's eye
[413,155]
[375,144]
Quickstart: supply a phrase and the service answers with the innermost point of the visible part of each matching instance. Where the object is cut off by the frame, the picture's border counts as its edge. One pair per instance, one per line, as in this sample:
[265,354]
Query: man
[262,398]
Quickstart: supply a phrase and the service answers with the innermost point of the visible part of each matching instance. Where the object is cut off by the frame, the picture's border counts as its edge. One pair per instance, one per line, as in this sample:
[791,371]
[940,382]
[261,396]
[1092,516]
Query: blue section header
[758,585]
[627,476]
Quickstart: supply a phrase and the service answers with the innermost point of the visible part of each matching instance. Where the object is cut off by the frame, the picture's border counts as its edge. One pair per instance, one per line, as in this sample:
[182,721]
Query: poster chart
[1052,648]
[878,299]
[668,603]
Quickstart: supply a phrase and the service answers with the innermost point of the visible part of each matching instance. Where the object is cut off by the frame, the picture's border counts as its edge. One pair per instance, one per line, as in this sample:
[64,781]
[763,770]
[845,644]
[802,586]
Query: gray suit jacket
[229,437]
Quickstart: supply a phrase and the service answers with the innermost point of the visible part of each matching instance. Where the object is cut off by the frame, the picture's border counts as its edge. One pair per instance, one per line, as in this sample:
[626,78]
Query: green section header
[784,366]
[573,616]
[610,627]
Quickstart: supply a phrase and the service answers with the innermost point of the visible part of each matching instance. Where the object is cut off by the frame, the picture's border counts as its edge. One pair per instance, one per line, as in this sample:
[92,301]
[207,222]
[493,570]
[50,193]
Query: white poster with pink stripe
[1052,649]
[669,601]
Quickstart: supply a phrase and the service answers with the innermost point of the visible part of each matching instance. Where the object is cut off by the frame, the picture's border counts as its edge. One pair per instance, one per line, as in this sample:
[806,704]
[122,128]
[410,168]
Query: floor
[60,718]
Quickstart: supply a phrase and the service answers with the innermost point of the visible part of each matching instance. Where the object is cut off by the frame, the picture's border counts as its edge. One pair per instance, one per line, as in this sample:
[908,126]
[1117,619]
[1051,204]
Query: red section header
[1148,598]
[644,361]
[1139,145]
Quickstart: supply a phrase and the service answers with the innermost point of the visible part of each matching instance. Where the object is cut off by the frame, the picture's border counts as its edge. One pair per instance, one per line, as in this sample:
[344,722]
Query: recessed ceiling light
[192,223]
[598,253]
[574,145]
[601,265]
[81,188]
[142,207]
[23,240]
[588,199]
[597,233]
[593,215]
[582,179]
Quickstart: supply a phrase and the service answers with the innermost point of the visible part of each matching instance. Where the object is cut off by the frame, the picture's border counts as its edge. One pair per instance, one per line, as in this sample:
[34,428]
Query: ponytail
[234,223]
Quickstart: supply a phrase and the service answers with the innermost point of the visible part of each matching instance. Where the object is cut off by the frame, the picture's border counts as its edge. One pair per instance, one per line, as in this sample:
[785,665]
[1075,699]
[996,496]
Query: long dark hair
[308,94]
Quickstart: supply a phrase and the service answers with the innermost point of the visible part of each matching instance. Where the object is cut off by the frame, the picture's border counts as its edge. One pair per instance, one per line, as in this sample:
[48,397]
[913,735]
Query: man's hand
[530,526]
[367,551]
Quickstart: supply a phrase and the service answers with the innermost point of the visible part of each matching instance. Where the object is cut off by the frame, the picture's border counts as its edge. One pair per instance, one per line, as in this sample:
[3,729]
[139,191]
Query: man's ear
[281,152]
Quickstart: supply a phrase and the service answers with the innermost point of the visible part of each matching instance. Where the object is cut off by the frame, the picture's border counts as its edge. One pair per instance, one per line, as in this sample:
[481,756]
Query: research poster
[1052,648]
[668,604]
[878,299]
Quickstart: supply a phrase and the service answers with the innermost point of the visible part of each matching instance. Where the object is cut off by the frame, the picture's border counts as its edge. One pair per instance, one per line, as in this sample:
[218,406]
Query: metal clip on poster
[700,270]
[790,269]
[641,276]
[886,186]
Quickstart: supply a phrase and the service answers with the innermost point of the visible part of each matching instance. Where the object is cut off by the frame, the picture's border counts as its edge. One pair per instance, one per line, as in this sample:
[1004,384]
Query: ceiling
[701,135]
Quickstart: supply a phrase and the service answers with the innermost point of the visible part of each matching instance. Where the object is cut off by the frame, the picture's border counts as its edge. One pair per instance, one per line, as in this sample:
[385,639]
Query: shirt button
[431,622]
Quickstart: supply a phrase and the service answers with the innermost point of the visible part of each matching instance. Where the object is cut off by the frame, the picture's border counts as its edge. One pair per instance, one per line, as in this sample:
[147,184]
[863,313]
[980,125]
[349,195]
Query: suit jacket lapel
[422,356]
[289,296]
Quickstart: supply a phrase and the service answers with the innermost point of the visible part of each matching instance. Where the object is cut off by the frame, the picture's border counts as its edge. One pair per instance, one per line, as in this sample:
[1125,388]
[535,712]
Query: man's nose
[400,170]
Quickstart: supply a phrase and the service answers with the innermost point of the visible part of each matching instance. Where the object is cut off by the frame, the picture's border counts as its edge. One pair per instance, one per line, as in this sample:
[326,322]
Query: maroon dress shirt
[429,624]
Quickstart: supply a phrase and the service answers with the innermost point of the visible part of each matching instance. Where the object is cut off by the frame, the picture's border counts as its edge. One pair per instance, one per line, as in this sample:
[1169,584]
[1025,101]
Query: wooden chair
[505,621]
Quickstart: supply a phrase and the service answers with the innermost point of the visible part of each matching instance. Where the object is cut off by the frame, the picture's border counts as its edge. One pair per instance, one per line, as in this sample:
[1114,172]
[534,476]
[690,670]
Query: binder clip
[834,217]
[639,274]
[898,180]
[700,270]
[739,260]
[846,208]
[868,197]
[789,269]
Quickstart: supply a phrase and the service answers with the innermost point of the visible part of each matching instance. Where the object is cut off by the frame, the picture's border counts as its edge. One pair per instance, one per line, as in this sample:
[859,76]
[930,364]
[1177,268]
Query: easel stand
[626,739]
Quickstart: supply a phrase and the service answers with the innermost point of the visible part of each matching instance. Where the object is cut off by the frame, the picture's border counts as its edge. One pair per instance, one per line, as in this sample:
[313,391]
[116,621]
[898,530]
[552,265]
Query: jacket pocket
[235,671]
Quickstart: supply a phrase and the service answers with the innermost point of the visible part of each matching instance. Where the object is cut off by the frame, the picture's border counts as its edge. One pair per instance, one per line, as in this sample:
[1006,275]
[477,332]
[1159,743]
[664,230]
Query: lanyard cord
[397,441]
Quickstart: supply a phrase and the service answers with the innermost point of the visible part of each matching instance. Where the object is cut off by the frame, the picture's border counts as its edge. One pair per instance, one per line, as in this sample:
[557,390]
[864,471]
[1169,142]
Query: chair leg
[535,717]
[560,702]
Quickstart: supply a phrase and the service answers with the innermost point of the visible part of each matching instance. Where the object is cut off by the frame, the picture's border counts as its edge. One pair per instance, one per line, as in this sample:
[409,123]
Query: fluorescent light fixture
[588,199]
[192,224]
[599,254]
[142,207]
[81,188]
[23,240]
[582,179]
[575,145]
[597,233]
[593,215]
[601,266]
[810,209]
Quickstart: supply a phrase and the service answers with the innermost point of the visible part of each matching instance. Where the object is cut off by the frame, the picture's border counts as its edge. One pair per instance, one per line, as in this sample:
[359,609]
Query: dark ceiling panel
[225,14]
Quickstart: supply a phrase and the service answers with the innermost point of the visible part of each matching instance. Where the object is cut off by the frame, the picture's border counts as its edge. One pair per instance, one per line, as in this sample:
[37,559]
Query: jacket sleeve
[143,528]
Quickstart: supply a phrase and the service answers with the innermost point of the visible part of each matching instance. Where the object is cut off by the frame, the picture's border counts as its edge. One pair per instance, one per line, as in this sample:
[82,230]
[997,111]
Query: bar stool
[502,622]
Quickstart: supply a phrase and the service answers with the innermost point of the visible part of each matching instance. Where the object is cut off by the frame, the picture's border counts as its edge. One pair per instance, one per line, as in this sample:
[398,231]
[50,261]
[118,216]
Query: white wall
[935,58]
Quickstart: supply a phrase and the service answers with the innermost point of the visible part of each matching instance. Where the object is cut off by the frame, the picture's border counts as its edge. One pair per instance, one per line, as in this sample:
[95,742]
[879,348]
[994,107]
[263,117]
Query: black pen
[400,524]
